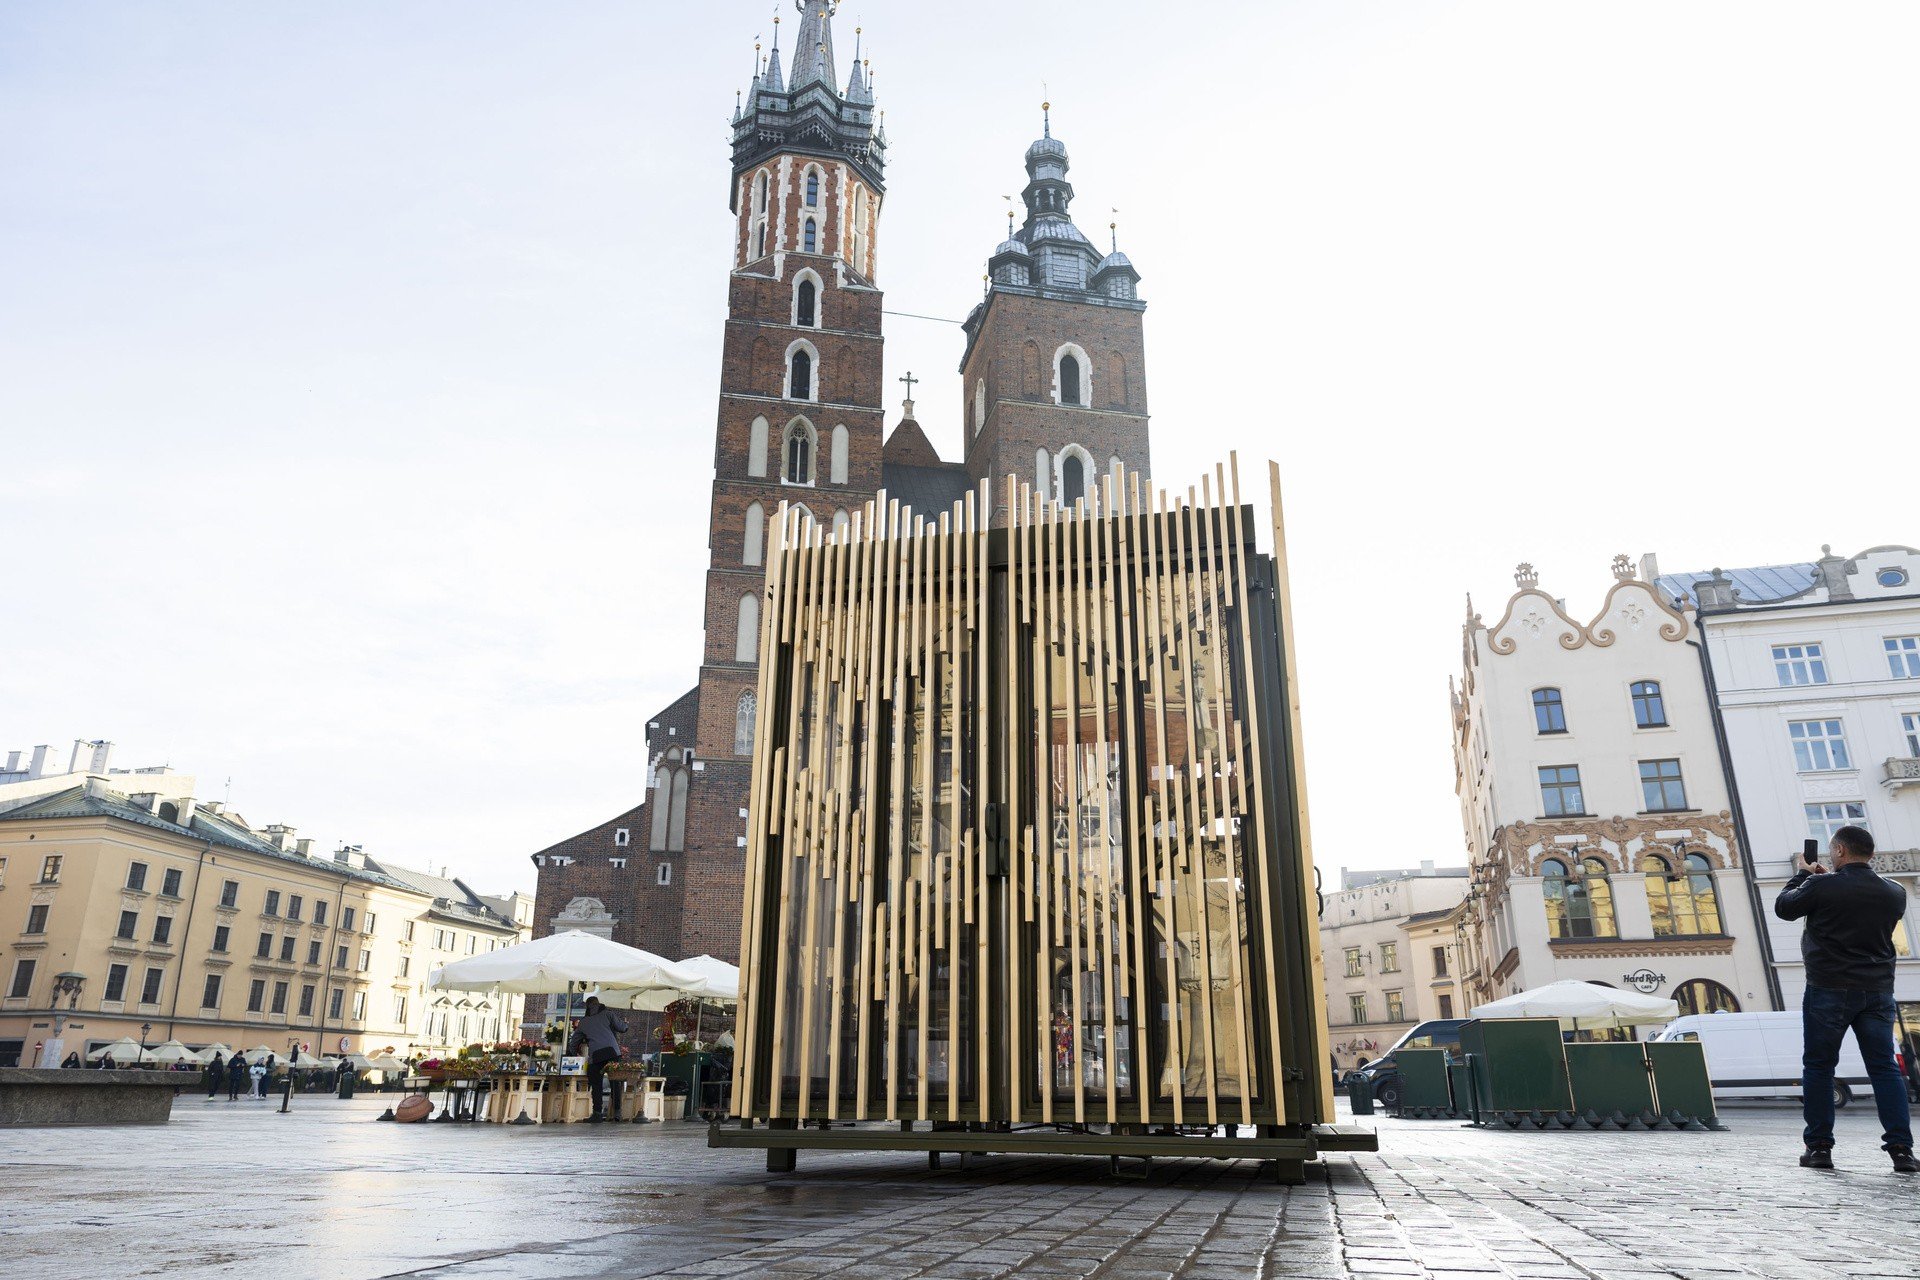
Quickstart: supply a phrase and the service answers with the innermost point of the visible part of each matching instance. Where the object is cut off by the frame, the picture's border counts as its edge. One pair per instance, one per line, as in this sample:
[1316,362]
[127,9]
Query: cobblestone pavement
[233,1188]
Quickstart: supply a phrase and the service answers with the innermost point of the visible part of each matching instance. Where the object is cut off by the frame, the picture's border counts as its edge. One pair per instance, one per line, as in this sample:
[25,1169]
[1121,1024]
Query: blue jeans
[1826,1015]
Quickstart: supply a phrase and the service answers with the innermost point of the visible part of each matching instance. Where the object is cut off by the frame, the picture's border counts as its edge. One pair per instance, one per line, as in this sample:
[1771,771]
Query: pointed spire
[813,49]
[774,82]
[857,82]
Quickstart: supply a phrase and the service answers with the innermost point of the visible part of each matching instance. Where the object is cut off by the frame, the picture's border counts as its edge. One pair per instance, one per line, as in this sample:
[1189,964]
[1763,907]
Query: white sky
[358,361]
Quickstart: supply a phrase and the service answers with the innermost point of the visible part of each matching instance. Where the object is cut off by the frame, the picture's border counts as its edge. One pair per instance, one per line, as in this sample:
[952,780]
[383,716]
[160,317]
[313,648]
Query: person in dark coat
[213,1073]
[72,1062]
[236,1076]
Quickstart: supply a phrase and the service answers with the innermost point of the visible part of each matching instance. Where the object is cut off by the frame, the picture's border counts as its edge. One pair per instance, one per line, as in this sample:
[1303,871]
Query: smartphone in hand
[1810,854]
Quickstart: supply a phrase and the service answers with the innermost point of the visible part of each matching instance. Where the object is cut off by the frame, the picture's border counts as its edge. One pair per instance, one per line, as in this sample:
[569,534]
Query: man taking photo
[1851,914]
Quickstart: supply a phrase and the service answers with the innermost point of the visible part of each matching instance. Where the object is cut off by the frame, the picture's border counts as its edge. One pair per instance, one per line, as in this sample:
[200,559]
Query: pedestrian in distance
[601,1031]
[1850,915]
[236,1076]
[72,1062]
[259,1072]
[214,1073]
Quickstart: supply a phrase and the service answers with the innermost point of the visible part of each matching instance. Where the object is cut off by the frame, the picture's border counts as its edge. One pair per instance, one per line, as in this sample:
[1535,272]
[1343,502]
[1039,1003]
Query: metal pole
[286,1098]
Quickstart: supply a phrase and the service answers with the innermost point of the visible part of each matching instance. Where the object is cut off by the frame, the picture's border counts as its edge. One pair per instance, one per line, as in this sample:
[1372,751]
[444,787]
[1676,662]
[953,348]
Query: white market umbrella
[171,1052]
[1582,1006]
[562,963]
[259,1054]
[304,1061]
[387,1062]
[123,1050]
[206,1054]
[719,981]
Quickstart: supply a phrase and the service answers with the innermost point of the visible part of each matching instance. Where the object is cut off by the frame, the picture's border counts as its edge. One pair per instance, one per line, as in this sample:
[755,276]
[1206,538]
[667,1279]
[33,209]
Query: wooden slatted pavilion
[1028,865]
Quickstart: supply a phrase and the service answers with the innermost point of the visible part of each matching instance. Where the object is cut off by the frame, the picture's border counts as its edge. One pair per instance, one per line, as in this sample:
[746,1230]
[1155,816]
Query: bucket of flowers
[433,1069]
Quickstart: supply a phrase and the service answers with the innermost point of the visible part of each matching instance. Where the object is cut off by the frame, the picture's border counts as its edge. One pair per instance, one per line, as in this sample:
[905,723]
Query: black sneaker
[1817,1158]
[1903,1161]
[597,1118]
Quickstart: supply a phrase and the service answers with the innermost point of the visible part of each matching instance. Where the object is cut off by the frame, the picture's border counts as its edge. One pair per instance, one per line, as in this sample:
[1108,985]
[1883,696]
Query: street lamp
[293,1053]
[145,1029]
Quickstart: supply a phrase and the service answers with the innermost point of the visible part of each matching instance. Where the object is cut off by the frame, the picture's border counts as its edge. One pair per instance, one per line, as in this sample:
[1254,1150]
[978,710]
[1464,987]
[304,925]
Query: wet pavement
[237,1189]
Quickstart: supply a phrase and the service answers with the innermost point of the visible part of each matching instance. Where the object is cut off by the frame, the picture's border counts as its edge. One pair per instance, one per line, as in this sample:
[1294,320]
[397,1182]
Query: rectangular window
[334,1002]
[320,911]
[220,935]
[210,995]
[22,983]
[399,1011]
[359,1006]
[340,957]
[50,869]
[272,907]
[294,904]
[279,998]
[1661,788]
[1825,819]
[1799,664]
[265,950]
[116,983]
[313,952]
[36,918]
[664,875]
[306,999]
[150,989]
[1903,657]
[473,943]
[1818,745]
[1560,794]
[1353,963]
[1549,711]
[1389,957]
[1396,1007]
[257,995]
[1910,727]
[3,872]
[170,882]
[1440,964]
[1649,705]
[620,837]
[230,893]
[129,925]
[368,927]
[406,930]
[162,931]
[137,876]
[346,919]
[1446,1006]
[406,964]
[1357,1006]
[366,961]
[287,944]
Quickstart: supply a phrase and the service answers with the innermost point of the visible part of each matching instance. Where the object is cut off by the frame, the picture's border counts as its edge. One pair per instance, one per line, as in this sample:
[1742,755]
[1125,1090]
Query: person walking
[213,1074]
[259,1071]
[1847,944]
[601,1031]
[236,1076]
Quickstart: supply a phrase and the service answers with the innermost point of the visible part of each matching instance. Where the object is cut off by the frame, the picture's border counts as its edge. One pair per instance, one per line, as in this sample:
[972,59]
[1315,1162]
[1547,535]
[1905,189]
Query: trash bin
[346,1084]
[1360,1094]
[1423,1082]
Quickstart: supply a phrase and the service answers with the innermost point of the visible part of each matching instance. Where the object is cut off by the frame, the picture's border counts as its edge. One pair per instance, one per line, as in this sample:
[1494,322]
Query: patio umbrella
[1582,1006]
[123,1050]
[304,1061]
[206,1054]
[718,981]
[562,963]
[259,1053]
[171,1052]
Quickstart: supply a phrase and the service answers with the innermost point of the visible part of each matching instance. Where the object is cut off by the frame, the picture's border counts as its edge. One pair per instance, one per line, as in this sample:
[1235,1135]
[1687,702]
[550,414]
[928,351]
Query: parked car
[1757,1055]
[1384,1078]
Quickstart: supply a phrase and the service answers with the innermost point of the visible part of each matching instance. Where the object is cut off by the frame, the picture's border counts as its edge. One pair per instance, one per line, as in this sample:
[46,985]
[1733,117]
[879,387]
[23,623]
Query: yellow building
[159,917]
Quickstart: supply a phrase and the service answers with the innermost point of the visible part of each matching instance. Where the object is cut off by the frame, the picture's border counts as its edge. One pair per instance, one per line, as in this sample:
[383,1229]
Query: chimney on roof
[303,847]
[96,787]
[148,800]
[1426,866]
[187,806]
[280,836]
[213,806]
[102,752]
[13,762]
[349,855]
[38,769]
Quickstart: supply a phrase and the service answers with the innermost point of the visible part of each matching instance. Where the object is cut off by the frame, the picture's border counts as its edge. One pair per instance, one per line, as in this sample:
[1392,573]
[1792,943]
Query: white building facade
[1815,669]
[1599,827]
[1378,985]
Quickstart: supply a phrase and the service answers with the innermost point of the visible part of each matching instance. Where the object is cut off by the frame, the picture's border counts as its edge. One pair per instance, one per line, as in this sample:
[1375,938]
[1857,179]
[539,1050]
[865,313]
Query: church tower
[800,418]
[1054,373]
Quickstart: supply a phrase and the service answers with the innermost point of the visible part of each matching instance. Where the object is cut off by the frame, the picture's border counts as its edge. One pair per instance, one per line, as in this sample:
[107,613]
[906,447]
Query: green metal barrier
[1460,1083]
[1520,1066]
[1680,1080]
[1423,1081]
[1610,1079]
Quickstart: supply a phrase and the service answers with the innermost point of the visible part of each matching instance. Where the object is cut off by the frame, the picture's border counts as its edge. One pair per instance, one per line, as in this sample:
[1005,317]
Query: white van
[1757,1055]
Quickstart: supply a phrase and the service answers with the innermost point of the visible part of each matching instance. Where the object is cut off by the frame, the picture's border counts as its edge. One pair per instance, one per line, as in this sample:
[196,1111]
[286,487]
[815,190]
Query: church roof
[929,490]
[909,446]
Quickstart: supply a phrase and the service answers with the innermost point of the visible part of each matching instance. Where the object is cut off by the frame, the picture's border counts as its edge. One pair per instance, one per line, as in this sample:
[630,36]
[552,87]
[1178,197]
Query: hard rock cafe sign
[1644,980]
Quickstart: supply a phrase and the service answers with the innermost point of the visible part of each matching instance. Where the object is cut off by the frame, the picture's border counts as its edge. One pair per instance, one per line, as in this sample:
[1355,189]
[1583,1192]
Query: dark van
[1384,1080]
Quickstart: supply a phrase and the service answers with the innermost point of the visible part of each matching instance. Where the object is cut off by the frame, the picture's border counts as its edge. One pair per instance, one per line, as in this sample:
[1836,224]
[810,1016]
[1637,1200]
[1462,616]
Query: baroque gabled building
[1599,829]
[1054,393]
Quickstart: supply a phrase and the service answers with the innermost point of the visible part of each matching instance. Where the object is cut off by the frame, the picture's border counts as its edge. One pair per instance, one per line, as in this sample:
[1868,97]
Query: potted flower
[434,1069]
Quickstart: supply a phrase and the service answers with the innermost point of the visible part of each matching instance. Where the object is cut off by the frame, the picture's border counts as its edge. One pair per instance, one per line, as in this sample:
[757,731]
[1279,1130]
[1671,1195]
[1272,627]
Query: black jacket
[1850,915]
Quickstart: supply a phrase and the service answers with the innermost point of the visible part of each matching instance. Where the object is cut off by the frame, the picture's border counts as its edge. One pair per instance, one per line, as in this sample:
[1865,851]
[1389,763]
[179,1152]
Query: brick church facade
[1054,379]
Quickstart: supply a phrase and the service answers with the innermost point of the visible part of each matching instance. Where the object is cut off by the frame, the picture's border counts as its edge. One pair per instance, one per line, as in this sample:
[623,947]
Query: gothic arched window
[800,375]
[1073,478]
[813,188]
[805,300]
[667,831]
[809,237]
[759,233]
[746,639]
[797,453]
[757,448]
[861,235]
[755,532]
[837,460]
[1069,379]
[743,717]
